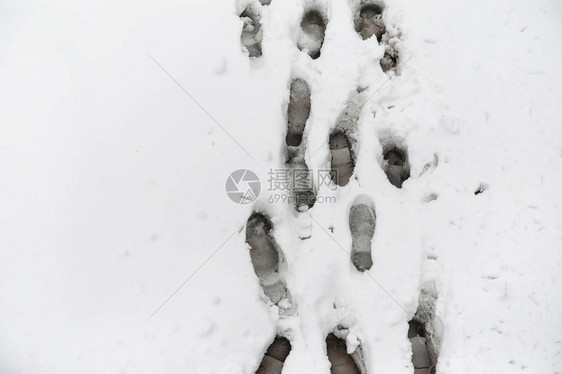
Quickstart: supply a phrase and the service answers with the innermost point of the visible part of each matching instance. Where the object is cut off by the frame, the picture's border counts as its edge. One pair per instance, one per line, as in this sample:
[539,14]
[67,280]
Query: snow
[113,186]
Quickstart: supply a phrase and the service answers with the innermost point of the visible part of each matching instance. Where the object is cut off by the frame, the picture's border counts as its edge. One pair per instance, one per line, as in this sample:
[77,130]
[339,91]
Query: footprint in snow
[342,140]
[274,358]
[340,361]
[423,352]
[265,257]
[252,34]
[390,58]
[303,193]
[396,166]
[423,332]
[313,25]
[395,160]
[298,111]
[362,221]
[368,22]
[343,162]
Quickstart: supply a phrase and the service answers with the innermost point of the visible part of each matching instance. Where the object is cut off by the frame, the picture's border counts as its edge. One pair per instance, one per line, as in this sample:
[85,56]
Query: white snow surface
[112,186]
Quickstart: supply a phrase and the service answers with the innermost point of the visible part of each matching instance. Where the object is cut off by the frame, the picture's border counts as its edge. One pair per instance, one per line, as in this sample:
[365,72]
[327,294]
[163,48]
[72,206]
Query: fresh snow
[113,186]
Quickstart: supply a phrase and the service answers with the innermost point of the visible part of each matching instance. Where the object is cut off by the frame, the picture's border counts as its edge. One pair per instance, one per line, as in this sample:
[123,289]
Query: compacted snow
[121,252]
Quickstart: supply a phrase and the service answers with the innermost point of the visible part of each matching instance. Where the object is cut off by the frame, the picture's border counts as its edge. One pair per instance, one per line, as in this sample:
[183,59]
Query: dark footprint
[390,58]
[305,199]
[369,22]
[342,160]
[423,333]
[396,165]
[252,34]
[275,357]
[297,112]
[265,256]
[362,221]
[265,2]
[313,27]
[341,362]
[342,140]
[301,180]
[424,356]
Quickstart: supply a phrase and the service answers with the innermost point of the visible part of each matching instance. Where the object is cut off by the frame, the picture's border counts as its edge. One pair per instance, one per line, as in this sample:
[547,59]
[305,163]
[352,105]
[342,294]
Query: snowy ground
[112,185]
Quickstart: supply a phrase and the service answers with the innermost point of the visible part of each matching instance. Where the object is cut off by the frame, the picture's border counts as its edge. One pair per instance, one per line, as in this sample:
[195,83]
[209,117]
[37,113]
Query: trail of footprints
[265,254]
[368,22]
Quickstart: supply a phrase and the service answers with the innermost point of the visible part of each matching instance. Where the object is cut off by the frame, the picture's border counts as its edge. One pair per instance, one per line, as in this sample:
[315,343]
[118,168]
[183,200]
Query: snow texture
[120,252]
